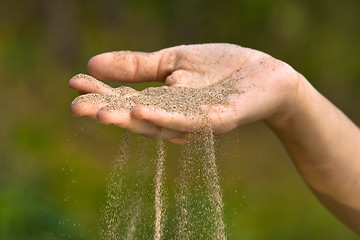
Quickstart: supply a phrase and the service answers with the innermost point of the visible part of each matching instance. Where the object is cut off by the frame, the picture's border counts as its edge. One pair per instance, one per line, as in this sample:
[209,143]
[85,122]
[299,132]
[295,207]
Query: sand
[113,212]
[172,99]
[159,192]
[198,199]
[199,196]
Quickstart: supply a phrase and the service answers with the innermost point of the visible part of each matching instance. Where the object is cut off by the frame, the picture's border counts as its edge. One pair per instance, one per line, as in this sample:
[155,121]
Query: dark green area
[53,166]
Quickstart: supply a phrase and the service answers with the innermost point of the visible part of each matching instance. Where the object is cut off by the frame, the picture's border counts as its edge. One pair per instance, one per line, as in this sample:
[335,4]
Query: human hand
[220,86]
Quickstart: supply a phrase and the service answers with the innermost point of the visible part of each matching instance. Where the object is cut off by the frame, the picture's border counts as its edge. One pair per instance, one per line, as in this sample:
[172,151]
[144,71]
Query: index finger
[127,66]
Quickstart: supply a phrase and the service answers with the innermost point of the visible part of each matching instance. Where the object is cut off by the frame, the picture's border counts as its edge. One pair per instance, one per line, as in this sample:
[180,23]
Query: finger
[89,104]
[87,84]
[171,120]
[126,66]
[121,117]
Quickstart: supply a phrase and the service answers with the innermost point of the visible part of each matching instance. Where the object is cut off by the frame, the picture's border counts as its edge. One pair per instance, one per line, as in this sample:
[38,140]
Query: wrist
[293,106]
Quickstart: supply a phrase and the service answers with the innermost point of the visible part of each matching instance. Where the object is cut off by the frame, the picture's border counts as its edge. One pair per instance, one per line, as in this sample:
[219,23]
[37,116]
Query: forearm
[325,147]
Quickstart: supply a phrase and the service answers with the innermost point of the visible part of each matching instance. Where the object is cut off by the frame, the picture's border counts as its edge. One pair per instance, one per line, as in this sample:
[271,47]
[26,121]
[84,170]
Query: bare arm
[325,147]
[323,143]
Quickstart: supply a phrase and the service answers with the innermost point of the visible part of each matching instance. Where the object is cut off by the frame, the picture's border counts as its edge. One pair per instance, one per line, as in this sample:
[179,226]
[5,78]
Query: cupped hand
[218,86]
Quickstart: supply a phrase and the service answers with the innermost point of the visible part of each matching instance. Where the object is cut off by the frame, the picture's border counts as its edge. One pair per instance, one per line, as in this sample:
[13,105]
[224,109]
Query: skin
[322,142]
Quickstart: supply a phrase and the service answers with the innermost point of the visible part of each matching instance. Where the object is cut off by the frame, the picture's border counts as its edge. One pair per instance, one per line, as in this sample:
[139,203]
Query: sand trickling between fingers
[199,198]
[159,192]
[136,206]
[128,194]
[113,212]
[213,185]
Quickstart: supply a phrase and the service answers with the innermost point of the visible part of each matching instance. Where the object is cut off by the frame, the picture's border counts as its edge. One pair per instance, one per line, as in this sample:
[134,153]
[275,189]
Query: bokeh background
[53,166]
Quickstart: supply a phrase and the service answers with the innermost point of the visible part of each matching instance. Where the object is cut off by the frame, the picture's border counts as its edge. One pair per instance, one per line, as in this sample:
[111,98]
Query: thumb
[127,66]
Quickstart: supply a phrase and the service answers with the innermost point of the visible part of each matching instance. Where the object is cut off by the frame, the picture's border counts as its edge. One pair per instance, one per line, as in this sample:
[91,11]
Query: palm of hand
[228,84]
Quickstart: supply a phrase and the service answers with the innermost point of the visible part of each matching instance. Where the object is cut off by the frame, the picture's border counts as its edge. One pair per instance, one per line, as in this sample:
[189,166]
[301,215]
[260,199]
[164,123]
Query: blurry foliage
[53,166]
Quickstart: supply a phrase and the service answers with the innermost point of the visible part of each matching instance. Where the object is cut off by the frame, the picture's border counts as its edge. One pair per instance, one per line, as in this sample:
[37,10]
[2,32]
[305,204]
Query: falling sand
[199,205]
[159,192]
[199,199]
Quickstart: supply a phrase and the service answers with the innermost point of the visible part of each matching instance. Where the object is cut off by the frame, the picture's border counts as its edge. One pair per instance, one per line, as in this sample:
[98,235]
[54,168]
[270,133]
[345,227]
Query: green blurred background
[53,166]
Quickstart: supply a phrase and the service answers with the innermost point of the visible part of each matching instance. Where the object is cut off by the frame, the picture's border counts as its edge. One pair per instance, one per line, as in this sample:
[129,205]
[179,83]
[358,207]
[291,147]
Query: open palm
[255,86]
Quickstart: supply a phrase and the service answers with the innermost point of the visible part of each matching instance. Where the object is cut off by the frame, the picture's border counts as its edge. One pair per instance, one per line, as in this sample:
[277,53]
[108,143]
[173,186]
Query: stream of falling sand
[113,212]
[213,184]
[159,191]
[121,214]
[199,206]
[199,199]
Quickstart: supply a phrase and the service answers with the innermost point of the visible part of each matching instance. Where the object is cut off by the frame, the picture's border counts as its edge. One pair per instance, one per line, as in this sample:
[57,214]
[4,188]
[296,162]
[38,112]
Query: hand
[254,86]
